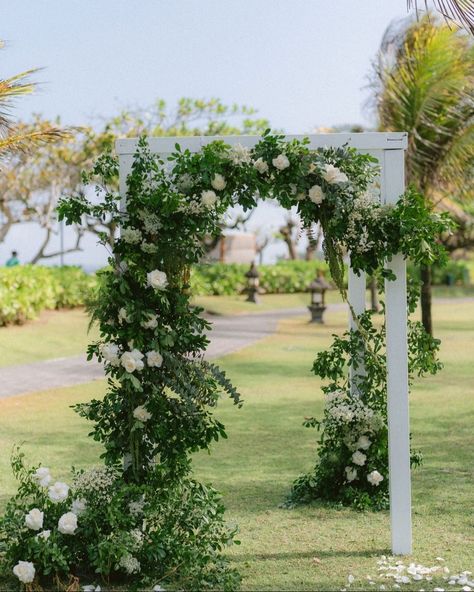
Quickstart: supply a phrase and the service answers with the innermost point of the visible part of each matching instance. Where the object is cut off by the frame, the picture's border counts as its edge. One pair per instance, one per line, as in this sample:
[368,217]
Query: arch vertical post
[397,372]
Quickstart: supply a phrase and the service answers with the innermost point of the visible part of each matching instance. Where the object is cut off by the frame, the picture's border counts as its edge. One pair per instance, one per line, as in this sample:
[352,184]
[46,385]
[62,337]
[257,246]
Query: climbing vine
[158,408]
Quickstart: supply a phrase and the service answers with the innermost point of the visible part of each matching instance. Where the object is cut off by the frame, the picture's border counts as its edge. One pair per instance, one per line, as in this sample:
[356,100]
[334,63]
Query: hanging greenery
[158,526]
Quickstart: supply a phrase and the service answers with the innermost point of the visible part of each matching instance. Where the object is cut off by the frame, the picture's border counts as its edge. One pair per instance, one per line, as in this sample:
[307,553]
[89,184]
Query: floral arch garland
[161,526]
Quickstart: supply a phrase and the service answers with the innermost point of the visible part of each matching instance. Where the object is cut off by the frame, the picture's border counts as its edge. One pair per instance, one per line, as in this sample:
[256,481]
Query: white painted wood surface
[389,149]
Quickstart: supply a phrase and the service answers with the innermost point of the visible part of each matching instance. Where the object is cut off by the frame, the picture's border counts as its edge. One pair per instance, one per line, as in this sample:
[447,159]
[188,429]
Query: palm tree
[12,138]
[457,11]
[424,84]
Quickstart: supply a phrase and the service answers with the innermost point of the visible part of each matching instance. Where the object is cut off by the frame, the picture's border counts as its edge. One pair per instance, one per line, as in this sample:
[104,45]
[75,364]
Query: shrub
[27,290]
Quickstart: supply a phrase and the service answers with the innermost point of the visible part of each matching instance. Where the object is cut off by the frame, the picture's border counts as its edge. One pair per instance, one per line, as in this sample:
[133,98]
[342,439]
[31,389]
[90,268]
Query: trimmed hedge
[26,290]
[285,277]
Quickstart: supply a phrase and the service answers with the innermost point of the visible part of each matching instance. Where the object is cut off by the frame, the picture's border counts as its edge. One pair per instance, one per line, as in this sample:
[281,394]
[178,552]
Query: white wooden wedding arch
[389,149]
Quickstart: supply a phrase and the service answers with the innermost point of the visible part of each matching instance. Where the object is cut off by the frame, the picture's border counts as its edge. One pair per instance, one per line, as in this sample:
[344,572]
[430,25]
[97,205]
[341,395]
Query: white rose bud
[316,194]
[154,358]
[351,473]
[374,478]
[333,175]
[58,492]
[24,571]
[281,162]
[157,279]
[67,524]
[359,458]
[44,534]
[218,182]
[141,413]
[208,198]
[150,323]
[42,476]
[34,519]
[261,165]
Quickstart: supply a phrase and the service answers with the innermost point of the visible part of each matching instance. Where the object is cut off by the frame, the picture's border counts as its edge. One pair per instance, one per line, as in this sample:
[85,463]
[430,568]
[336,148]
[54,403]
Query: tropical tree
[424,84]
[456,11]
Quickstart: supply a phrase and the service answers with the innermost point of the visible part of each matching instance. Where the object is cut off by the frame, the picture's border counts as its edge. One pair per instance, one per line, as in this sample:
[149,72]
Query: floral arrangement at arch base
[141,519]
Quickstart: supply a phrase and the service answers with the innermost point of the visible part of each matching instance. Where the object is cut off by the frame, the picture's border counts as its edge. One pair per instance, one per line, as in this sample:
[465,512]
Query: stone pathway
[229,334]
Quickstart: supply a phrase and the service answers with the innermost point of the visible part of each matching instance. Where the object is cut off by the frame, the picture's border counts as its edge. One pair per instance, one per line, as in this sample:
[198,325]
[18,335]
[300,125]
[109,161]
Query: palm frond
[460,12]
[24,141]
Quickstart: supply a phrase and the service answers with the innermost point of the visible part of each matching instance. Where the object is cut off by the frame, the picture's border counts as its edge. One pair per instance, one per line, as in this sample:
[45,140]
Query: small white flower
[141,413]
[123,316]
[150,323]
[58,492]
[334,175]
[281,162]
[316,194]
[128,362]
[79,506]
[24,571]
[374,478]
[363,443]
[218,182]
[131,235]
[110,353]
[157,279]
[208,198]
[350,579]
[261,165]
[154,358]
[351,473]
[359,458]
[149,247]
[130,564]
[34,519]
[67,524]
[44,534]
[300,196]
[239,154]
[42,476]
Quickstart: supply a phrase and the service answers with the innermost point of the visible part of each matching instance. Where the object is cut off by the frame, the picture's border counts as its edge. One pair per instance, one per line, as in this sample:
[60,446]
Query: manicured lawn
[315,547]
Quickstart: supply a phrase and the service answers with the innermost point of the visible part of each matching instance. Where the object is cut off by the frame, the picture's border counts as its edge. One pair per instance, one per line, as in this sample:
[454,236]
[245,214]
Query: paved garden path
[229,334]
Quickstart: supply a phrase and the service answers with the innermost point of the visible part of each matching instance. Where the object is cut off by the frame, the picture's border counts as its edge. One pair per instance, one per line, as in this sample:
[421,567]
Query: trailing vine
[158,408]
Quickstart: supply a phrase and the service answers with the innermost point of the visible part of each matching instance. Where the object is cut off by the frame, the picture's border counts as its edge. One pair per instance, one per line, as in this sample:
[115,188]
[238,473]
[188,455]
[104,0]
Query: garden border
[389,149]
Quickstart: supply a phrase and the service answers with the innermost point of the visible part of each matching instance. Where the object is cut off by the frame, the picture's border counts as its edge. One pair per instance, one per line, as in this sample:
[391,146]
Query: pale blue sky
[301,63]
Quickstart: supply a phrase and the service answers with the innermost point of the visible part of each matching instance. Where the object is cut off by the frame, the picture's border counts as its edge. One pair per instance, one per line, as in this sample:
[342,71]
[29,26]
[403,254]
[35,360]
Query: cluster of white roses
[343,410]
[34,520]
[131,360]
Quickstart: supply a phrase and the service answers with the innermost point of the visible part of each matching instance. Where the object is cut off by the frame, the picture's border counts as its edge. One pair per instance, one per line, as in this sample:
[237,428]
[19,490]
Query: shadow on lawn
[318,553]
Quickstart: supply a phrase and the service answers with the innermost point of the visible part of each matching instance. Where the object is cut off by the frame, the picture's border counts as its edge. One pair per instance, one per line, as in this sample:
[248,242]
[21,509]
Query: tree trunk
[426,318]
[374,301]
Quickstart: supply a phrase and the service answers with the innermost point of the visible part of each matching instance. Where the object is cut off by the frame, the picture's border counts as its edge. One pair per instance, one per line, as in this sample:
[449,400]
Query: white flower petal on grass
[281,162]
[58,492]
[316,194]
[218,182]
[154,358]
[350,579]
[34,519]
[157,279]
[24,571]
[42,476]
[67,524]
[333,175]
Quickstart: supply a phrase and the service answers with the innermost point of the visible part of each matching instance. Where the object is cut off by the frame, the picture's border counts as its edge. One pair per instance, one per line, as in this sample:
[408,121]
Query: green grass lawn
[314,547]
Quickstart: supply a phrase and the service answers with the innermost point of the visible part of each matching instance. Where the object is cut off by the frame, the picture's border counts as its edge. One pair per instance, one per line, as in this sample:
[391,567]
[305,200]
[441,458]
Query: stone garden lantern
[253,282]
[317,289]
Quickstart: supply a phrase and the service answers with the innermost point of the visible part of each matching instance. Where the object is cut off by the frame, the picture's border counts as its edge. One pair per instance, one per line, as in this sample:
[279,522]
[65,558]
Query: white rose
[359,458]
[261,165]
[374,478]
[333,175]
[79,506]
[34,519]
[363,443]
[157,279]
[42,476]
[316,194]
[154,358]
[110,353]
[300,196]
[150,323]
[281,162]
[67,524]
[58,492]
[141,413]
[44,534]
[218,182]
[351,473]
[24,571]
[123,316]
[138,357]
[208,198]
[131,235]
[128,362]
